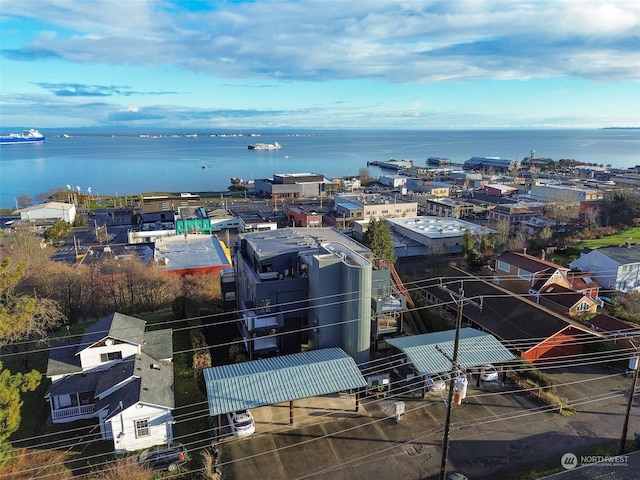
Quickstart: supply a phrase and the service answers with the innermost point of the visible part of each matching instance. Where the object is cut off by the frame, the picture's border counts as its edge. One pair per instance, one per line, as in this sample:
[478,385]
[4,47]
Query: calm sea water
[130,164]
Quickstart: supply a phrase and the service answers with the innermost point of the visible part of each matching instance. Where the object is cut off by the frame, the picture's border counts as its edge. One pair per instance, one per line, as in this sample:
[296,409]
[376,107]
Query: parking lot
[497,432]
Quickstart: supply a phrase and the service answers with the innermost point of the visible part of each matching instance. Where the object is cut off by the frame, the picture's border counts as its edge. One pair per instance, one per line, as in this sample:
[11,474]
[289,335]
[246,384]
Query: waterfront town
[418,324]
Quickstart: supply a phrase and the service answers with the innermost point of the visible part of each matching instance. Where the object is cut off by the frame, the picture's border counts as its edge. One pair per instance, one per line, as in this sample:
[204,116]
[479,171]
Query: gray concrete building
[315,288]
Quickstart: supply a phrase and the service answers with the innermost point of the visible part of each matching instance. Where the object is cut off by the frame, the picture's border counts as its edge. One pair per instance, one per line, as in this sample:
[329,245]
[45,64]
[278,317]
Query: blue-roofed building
[270,381]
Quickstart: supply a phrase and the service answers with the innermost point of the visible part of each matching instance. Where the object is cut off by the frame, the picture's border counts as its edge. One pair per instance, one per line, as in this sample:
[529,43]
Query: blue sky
[414,64]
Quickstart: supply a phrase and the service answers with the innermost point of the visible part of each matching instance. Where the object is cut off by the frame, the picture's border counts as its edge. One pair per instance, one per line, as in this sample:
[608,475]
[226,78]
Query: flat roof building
[313,286]
[444,234]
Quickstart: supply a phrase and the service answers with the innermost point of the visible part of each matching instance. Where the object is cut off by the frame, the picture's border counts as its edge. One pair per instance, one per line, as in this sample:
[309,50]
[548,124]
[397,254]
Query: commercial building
[447,207]
[424,235]
[191,253]
[48,212]
[429,187]
[490,163]
[566,193]
[294,185]
[365,206]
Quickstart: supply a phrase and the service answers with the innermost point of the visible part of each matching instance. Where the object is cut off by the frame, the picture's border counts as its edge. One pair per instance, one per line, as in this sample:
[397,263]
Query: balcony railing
[80,411]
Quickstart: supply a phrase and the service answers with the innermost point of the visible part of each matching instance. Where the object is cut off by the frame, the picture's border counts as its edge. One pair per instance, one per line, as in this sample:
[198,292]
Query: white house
[119,374]
[50,211]
[616,267]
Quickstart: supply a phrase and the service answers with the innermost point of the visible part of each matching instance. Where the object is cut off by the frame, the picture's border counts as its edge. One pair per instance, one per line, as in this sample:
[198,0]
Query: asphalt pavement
[499,431]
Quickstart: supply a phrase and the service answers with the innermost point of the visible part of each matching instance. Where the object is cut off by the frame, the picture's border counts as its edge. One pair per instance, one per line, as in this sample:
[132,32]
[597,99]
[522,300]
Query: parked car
[241,423]
[489,373]
[436,384]
[168,456]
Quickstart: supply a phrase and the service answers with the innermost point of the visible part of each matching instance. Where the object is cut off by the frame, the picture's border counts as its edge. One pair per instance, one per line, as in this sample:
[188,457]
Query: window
[583,307]
[503,266]
[105,357]
[142,428]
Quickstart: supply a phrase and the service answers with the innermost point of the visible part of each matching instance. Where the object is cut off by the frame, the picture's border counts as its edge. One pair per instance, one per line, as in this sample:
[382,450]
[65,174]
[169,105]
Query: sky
[231,65]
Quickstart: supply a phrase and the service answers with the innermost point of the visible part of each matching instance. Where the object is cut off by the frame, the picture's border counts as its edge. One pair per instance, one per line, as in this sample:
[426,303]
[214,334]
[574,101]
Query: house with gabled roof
[585,283]
[119,374]
[530,330]
[614,267]
[566,301]
[522,273]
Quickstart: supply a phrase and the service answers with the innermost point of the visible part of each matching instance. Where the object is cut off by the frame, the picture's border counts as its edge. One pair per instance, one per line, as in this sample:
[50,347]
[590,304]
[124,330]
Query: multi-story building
[294,185]
[429,187]
[447,207]
[566,193]
[490,163]
[363,206]
[313,287]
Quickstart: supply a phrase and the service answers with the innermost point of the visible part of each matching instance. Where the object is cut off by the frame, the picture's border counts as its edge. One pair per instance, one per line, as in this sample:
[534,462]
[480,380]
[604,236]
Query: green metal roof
[280,379]
[431,353]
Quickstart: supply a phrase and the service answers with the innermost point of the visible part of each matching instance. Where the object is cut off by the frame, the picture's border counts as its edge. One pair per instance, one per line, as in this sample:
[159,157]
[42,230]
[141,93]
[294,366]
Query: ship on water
[265,146]
[27,136]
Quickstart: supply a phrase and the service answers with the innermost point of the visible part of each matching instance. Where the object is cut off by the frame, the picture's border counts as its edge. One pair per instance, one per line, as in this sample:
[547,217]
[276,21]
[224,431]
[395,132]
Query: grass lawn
[632,234]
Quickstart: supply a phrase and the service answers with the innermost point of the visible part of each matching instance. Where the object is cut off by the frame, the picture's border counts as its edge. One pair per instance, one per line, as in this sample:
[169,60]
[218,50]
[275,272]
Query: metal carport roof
[431,353]
[275,380]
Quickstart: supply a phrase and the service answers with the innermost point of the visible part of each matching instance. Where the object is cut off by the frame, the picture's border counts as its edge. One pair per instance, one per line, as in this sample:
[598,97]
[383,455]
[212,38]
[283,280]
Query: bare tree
[23,245]
[502,228]
[24,201]
[592,217]
[365,176]
[517,243]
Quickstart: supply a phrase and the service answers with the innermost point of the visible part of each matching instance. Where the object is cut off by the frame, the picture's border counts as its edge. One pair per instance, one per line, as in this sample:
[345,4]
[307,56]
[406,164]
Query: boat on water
[264,146]
[27,136]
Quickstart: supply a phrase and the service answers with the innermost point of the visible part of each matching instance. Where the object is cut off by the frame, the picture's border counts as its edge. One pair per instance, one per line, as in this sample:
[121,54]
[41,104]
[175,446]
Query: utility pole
[452,382]
[623,439]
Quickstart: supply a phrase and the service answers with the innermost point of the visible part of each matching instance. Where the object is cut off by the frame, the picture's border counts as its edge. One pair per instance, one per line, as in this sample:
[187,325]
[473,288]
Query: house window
[503,266]
[142,428]
[523,274]
[583,307]
[105,357]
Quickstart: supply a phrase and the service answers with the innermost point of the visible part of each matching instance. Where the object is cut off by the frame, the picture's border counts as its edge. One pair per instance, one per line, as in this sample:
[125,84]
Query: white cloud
[416,41]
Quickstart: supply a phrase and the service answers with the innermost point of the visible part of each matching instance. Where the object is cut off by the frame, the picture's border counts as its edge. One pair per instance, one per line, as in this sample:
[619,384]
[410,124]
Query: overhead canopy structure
[432,353]
[275,380]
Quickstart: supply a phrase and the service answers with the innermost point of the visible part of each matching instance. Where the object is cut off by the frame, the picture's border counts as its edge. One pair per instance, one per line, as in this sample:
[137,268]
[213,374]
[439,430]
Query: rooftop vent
[155,366]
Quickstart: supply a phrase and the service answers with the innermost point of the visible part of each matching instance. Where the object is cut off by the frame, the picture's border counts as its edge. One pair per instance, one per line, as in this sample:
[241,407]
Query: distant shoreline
[621,128]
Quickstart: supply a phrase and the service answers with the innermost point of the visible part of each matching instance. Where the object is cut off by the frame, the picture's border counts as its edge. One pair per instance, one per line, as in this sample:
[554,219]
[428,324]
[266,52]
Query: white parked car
[241,423]
[489,373]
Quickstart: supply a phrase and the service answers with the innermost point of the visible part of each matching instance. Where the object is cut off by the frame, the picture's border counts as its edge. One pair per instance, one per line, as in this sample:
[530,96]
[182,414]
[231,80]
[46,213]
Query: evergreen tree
[378,238]
[11,386]
[469,252]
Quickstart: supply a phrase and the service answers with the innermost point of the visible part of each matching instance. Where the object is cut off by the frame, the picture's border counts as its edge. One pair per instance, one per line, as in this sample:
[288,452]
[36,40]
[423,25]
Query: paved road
[497,433]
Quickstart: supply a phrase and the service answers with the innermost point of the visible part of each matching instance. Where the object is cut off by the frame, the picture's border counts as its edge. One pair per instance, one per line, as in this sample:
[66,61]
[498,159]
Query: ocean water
[118,164]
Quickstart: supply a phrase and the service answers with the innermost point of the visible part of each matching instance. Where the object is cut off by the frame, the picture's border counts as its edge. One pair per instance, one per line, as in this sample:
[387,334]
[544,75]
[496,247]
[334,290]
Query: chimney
[543,255]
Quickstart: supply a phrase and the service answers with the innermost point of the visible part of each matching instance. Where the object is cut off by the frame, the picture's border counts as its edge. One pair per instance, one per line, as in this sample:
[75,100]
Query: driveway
[497,432]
